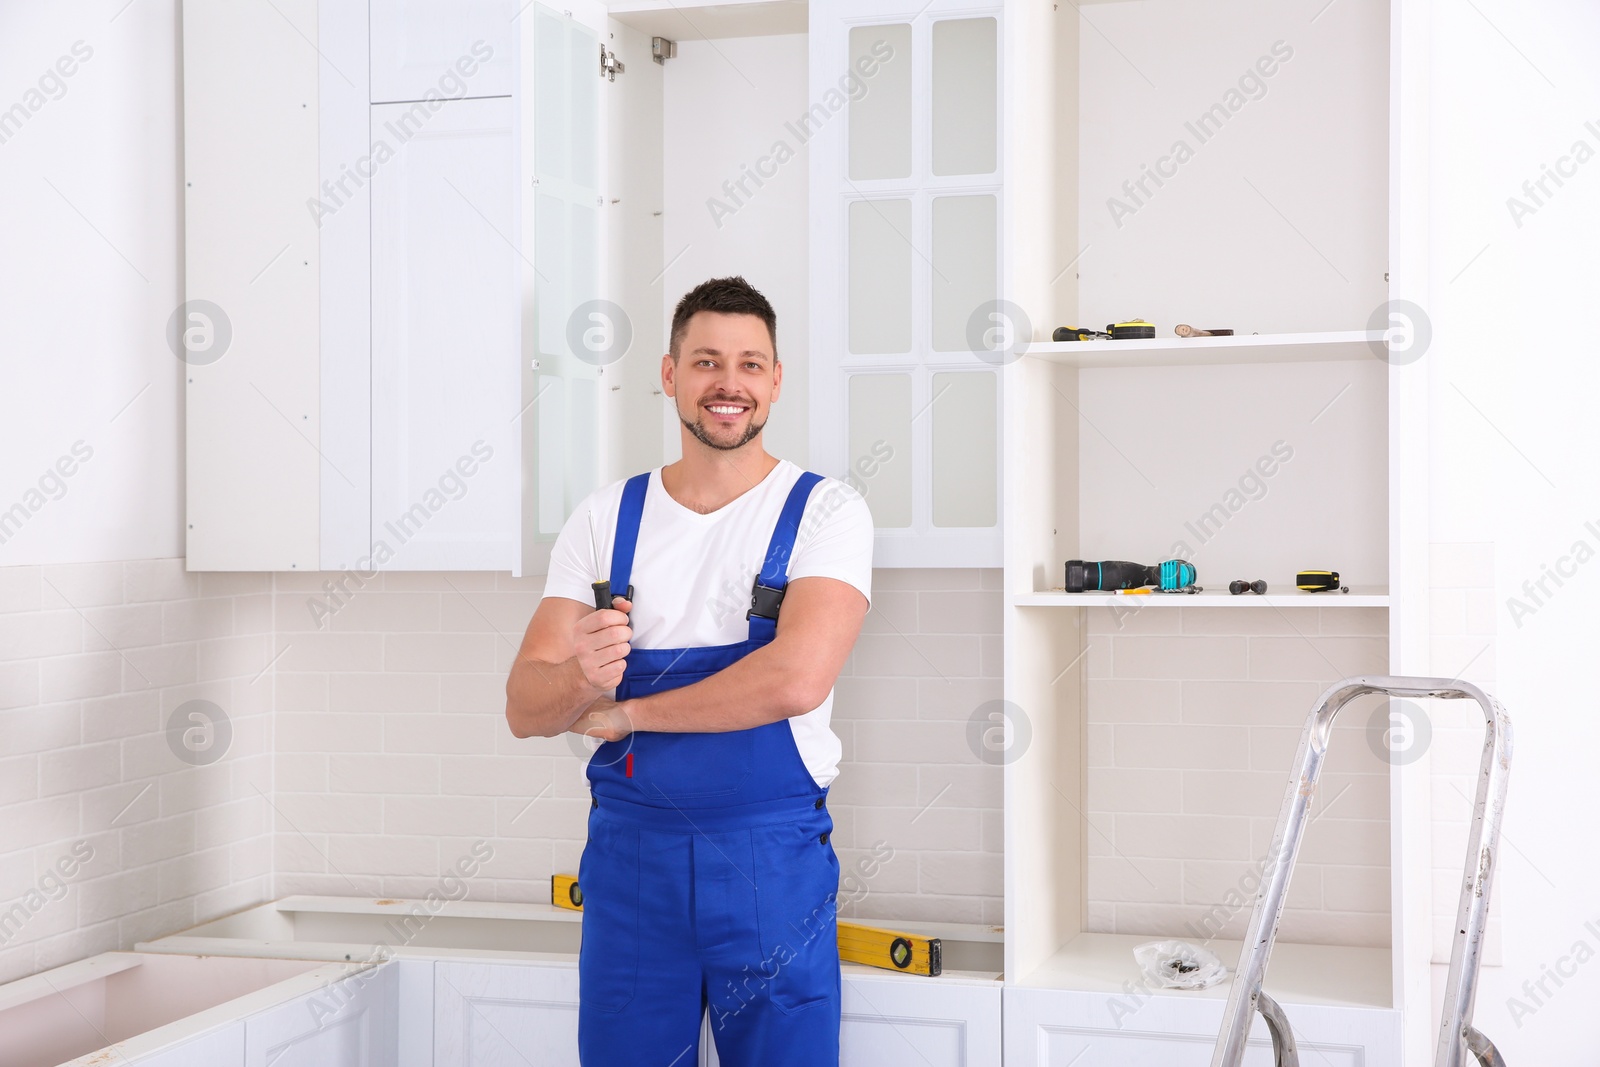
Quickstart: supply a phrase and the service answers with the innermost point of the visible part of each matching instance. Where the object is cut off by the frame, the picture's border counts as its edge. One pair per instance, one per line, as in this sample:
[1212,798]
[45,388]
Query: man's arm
[569,657]
[817,627]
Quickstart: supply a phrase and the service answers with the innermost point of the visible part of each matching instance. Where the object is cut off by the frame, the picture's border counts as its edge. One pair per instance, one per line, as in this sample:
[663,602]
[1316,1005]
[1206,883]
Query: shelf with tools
[1343,345]
[1360,596]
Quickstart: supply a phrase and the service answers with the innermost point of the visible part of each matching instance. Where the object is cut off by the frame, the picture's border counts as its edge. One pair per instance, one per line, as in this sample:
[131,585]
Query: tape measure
[1317,581]
[1133,329]
[892,950]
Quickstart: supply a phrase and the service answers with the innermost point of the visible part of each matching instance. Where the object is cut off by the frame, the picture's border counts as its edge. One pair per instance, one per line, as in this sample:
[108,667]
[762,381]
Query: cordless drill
[1173,576]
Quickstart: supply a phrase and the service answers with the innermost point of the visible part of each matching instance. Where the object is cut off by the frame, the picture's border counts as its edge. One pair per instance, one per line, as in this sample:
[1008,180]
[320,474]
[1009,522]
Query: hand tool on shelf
[1172,576]
[1319,582]
[1183,329]
[873,946]
[1457,1036]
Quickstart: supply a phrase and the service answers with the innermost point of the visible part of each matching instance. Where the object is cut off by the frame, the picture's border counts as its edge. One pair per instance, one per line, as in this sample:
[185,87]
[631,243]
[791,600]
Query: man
[708,878]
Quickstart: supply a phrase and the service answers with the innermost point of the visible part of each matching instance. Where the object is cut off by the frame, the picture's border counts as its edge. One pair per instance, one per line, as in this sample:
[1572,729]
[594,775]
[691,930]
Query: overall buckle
[765,602]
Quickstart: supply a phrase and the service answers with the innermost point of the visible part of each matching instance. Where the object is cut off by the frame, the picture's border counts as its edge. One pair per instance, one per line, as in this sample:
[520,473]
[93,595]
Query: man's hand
[600,643]
[606,720]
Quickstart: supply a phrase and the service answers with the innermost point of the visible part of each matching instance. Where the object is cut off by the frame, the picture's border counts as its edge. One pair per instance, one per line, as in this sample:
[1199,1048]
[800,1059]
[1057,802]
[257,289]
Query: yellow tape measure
[872,946]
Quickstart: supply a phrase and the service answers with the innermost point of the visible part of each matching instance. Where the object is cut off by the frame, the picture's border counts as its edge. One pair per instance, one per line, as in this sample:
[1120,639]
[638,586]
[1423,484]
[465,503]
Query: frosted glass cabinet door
[450,48]
[907,273]
[567,330]
[444,338]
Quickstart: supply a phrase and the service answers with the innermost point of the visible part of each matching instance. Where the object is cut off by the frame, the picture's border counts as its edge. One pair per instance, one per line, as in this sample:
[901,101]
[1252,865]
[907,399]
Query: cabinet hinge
[610,65]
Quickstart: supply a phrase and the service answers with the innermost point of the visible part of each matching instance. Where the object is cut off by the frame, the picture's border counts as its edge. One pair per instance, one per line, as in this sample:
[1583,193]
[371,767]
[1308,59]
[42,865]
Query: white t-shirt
[693,573]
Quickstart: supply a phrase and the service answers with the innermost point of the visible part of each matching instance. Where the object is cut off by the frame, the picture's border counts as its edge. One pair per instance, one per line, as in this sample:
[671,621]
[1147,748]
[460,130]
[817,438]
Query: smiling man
[708,878]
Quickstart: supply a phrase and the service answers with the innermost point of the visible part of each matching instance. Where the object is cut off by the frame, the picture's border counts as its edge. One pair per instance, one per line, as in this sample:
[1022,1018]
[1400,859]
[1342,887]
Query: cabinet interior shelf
[1336,975]
[1346,346]
[1360,596]
[711,19]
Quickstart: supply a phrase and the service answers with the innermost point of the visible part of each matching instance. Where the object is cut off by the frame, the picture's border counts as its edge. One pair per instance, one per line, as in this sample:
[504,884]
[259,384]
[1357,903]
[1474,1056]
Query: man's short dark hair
[726,296]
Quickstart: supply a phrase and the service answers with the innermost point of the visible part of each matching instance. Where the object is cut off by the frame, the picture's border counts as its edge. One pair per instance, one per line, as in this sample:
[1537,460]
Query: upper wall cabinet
[391,219]
[908,327]
[452,48]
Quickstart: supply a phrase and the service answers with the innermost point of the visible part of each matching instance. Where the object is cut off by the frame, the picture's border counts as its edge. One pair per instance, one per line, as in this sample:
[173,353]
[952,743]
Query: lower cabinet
[351,1023]
[219,1048]
[1055,1028]
[505,1015]
[526,1015]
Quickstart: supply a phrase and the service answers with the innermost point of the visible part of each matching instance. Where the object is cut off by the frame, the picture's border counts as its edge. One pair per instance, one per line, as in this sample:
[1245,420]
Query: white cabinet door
[1055,1028]
[444,337]
[907,326]
[219,1048]
[569,337]
[931,1022]
[415,1015]
[450,48]
[505,1015]
[351,1023]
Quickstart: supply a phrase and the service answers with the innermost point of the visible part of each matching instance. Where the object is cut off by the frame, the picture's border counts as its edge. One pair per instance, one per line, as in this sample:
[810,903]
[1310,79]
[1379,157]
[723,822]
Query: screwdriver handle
[602,594]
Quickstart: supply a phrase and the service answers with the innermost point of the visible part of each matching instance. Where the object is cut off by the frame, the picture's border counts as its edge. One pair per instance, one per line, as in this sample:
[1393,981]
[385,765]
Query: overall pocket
[797,880]
[608,955]
[679,767]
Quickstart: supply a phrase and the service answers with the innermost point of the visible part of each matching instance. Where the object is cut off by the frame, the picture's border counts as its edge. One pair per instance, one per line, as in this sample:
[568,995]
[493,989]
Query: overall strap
[627,536]
[768,593]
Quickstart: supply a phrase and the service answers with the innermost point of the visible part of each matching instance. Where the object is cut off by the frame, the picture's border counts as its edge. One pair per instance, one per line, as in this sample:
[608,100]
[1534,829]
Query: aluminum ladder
[1457,1036]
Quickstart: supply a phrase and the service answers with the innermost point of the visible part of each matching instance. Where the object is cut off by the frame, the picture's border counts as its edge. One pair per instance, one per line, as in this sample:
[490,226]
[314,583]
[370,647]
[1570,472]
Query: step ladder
[1457,1037]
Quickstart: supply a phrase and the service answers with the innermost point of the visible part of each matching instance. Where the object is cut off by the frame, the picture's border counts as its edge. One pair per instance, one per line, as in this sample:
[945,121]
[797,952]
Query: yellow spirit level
[873,946]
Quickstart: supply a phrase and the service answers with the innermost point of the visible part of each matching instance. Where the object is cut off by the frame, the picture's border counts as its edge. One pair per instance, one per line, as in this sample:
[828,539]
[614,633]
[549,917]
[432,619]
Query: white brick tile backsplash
[80,585]
[126,625]
[19,589]
[958,612]
[1175,747]
[19,684]
[38,634]
[386,773]
[92,674]
[1319,659]
[438,653]
[1178,657]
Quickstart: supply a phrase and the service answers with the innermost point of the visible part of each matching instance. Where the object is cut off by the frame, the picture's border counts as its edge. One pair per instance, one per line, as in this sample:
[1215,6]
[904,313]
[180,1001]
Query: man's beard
[706,439]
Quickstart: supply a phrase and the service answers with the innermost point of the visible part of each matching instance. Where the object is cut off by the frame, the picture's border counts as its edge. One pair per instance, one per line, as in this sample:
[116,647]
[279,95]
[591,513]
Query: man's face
[726,378]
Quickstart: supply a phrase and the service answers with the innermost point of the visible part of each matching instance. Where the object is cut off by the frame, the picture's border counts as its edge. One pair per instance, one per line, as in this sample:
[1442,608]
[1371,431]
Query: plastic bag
[1178,965]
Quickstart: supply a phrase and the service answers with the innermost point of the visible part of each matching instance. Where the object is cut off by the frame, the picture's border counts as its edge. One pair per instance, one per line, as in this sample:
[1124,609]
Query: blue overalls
[707,878]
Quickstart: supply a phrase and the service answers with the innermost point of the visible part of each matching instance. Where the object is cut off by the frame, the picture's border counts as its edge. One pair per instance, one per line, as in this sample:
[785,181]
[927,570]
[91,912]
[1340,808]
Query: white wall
[91,209]
[1515,440]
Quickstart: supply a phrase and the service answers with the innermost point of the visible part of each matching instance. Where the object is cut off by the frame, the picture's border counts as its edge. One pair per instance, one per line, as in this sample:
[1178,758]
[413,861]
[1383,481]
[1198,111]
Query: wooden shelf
[1360,596]
[1336,975]
[1346,346]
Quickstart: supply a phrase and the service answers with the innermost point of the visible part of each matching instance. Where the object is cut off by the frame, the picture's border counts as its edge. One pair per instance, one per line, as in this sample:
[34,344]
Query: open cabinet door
[566,333]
